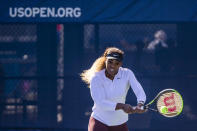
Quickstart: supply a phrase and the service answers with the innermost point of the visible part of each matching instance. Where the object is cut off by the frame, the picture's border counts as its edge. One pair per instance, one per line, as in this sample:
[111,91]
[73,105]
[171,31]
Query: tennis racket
[168,103]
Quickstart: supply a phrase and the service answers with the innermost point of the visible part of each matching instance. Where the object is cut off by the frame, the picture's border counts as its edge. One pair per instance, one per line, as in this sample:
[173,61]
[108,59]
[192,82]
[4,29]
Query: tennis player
[109,83]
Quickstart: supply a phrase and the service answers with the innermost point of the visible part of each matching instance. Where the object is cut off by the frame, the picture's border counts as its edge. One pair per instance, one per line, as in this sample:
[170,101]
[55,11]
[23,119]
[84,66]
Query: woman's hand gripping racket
[168,103]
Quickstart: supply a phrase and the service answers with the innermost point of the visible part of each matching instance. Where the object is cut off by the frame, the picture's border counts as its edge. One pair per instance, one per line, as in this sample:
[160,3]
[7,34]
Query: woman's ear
[120,63]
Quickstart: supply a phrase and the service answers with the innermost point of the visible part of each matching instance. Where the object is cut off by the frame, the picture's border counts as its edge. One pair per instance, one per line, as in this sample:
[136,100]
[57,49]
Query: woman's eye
[110,62]
[117,63]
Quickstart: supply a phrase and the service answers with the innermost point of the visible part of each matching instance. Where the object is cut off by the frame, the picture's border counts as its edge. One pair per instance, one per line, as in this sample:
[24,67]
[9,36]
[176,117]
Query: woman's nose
[112,65]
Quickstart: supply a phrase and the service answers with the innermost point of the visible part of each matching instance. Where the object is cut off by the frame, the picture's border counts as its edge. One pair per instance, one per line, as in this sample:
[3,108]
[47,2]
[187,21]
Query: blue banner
[98,11]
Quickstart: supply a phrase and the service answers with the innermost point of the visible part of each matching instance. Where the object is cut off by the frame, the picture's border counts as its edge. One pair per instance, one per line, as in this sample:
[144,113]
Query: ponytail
[97,66]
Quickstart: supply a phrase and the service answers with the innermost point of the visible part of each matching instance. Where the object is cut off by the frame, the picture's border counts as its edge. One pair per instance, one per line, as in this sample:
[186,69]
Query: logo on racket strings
[170,103]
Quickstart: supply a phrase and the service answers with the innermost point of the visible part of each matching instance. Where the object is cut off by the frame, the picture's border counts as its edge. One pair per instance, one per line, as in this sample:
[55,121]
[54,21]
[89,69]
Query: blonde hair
[98,65]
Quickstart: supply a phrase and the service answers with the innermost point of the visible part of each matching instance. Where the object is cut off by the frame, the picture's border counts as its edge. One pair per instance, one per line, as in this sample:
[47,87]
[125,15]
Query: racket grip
[141,108]
[145,107]
[134,107]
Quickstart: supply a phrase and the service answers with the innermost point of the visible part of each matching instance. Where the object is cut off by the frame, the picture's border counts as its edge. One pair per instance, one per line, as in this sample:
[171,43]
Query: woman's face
[112,66]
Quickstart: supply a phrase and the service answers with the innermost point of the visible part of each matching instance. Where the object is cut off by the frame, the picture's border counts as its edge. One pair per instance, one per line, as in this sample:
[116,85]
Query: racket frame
[158,95]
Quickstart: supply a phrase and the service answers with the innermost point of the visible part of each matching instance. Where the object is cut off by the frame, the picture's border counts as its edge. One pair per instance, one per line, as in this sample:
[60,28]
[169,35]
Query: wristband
[141,102]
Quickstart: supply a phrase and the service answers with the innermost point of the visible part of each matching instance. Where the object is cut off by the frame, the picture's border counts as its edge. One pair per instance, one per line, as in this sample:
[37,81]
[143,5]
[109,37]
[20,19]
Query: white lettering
[28,12]
[61,12]
[77,12]
[21,12]
[42,12]
[35,11]
[69,12]
[50,12]
[11,13]
[45,12]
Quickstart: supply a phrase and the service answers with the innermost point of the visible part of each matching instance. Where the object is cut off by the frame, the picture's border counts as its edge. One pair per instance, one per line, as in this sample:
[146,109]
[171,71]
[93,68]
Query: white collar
[117,76]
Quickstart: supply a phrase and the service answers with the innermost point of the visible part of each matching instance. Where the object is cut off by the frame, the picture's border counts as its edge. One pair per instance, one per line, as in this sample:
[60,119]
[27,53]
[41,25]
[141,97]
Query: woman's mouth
[112,70]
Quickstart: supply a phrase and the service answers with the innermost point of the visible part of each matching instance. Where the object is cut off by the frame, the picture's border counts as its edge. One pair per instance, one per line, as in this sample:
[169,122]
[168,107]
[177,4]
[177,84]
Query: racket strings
[173,102]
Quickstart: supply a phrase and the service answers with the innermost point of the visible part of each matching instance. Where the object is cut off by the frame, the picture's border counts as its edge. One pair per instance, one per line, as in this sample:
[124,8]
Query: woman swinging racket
[109,83]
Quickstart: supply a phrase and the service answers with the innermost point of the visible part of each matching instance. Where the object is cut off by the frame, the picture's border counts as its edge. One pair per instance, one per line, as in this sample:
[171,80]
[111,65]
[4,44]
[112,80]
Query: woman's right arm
[127,108]
[99,98]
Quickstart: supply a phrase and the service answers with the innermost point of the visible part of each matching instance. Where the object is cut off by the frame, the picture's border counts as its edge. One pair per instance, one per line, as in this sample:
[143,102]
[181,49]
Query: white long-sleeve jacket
[107,93]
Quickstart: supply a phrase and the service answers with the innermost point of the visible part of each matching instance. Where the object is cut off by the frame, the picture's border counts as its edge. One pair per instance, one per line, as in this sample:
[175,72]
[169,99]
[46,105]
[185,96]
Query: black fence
[40,65]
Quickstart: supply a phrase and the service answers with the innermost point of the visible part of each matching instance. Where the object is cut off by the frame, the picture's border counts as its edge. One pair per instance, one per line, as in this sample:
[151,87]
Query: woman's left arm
[137,89]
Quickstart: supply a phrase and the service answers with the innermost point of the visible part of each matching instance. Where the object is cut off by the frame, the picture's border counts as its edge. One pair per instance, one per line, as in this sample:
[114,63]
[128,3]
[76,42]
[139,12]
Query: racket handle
[134,107]
[141,108]
[151,109]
